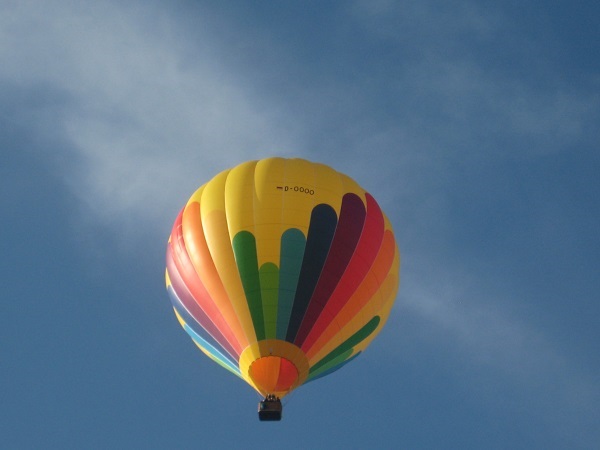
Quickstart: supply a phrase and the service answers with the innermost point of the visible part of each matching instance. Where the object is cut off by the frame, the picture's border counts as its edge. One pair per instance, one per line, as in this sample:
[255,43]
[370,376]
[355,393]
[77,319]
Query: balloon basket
[269,410]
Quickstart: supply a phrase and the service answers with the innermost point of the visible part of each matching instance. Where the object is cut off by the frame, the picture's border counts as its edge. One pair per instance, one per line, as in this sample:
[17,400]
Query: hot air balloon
[281,271]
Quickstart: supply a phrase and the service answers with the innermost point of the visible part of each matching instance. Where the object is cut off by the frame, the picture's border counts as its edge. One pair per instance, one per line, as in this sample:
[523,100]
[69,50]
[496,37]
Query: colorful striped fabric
[282,271]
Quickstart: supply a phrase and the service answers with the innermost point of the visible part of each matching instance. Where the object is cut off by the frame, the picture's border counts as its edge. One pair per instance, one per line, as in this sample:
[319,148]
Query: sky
[473,123]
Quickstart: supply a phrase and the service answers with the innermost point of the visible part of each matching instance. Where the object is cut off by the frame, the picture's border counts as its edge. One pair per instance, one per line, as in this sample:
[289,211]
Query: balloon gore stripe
[322,228]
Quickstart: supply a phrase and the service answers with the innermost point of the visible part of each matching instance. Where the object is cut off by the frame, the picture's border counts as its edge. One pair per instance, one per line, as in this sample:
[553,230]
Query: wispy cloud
[469,75]
[147,100]
[493,343]
[143,108]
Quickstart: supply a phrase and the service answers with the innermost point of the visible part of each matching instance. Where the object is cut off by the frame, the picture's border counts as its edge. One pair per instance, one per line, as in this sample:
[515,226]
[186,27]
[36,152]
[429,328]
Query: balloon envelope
[282,271]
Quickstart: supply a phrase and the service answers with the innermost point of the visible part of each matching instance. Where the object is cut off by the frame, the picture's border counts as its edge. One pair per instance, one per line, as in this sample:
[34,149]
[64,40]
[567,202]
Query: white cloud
[150,111]
[491,342]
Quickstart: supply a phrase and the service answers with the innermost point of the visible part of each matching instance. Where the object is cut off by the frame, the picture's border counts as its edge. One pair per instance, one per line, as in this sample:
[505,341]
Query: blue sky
[473,123]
